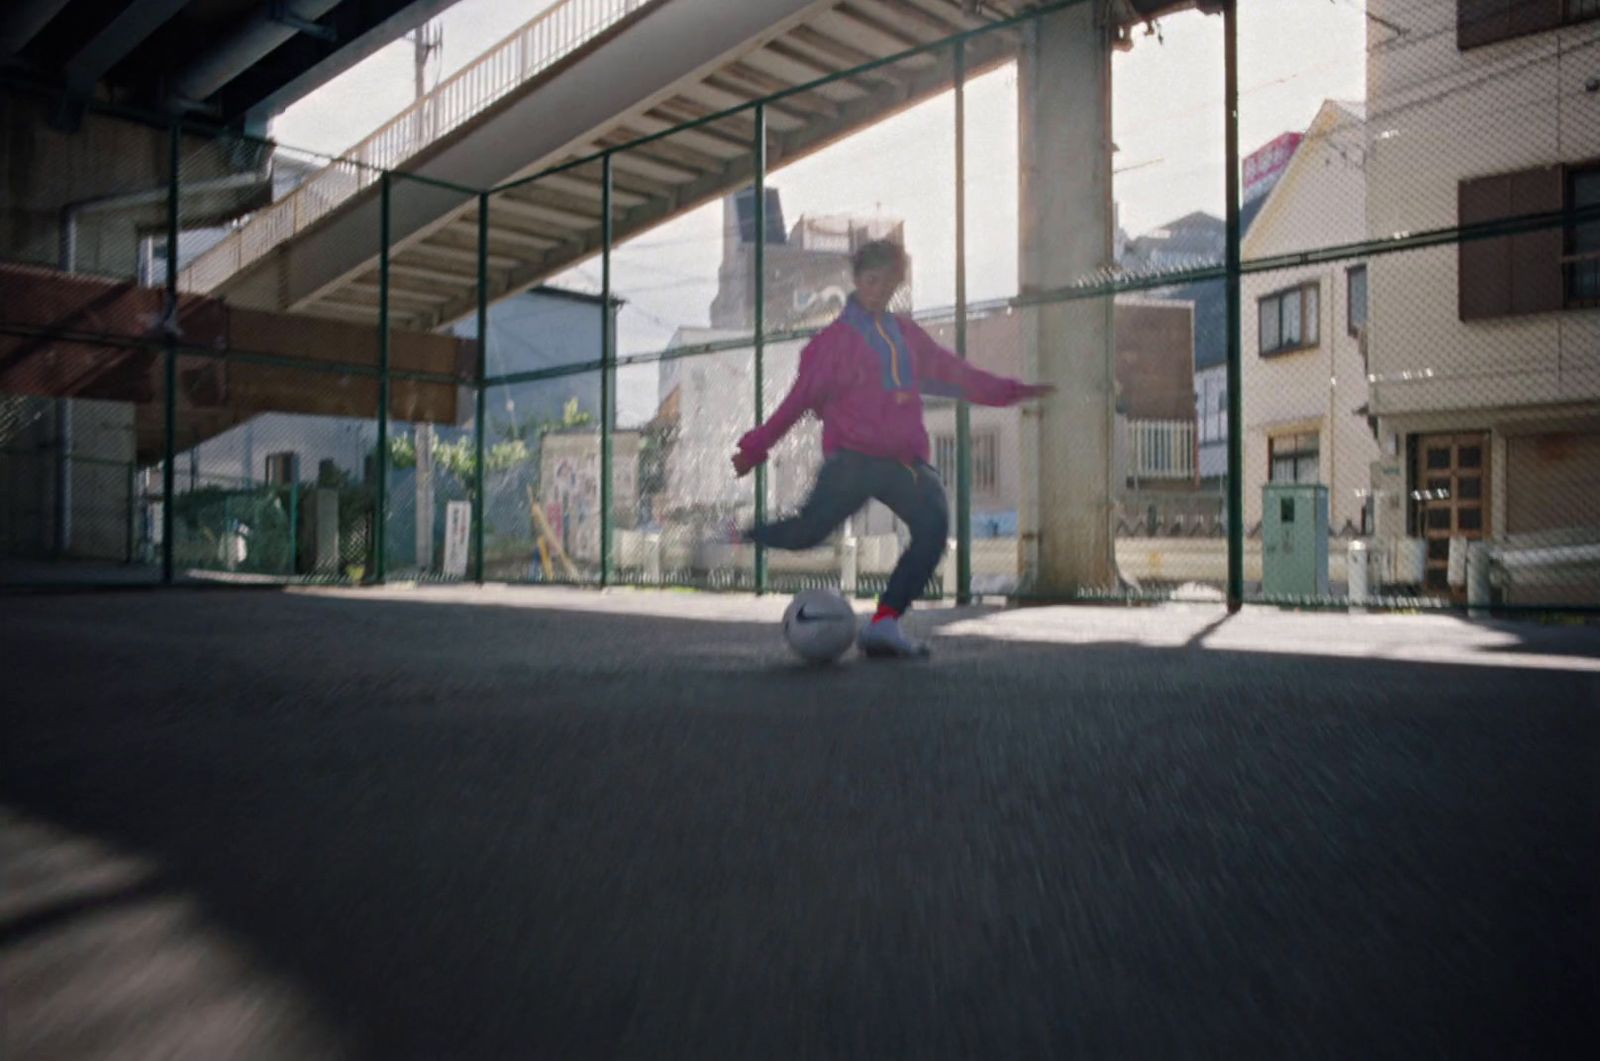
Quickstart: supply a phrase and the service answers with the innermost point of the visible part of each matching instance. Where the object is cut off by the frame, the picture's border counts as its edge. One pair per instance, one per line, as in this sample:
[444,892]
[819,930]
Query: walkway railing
[555,33]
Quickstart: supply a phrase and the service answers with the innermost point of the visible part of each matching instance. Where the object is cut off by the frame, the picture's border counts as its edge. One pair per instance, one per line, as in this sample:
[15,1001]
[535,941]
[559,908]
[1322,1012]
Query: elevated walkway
[649,66]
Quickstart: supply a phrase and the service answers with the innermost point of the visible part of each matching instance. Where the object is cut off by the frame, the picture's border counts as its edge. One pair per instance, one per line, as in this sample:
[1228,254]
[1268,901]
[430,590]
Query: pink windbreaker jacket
[864,376]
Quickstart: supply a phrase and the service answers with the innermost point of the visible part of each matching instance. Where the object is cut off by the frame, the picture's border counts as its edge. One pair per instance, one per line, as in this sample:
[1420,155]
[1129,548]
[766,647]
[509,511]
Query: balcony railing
[1160,449]
[555,33]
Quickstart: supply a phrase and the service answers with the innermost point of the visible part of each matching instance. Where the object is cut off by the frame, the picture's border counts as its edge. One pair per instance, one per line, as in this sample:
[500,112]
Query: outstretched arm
[944,374]
[802,397]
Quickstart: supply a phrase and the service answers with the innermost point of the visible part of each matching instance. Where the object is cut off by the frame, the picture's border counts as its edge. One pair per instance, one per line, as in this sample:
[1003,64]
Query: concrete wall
[98,475]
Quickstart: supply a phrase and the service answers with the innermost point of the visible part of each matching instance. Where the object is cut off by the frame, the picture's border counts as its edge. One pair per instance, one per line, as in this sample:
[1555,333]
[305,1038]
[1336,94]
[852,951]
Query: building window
[1582,259]
[1289,320]
[1356,298]
[1295,458]
[985,461]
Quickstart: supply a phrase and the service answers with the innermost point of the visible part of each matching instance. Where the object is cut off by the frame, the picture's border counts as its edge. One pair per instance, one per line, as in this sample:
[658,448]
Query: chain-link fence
[1342,348]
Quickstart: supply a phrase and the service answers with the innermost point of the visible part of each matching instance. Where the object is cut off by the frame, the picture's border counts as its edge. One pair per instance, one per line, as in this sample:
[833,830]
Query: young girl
[864,376]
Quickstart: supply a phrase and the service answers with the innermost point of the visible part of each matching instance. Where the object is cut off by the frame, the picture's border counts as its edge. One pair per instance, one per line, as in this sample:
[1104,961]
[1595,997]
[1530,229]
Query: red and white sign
[1263,167]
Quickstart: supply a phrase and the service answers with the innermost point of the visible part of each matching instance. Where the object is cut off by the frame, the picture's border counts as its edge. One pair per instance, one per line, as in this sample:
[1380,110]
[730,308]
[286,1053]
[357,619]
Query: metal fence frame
[1231,271]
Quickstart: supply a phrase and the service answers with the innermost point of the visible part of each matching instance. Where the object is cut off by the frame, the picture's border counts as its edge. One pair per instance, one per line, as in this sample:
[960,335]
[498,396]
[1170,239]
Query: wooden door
[1452,482]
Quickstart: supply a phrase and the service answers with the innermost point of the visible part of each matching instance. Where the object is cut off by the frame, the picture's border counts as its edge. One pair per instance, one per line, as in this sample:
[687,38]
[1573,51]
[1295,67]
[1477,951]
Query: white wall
[1319,202]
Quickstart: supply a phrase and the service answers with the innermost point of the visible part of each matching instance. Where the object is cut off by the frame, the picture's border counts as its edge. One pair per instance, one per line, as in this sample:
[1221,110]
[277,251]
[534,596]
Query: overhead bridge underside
[672,62]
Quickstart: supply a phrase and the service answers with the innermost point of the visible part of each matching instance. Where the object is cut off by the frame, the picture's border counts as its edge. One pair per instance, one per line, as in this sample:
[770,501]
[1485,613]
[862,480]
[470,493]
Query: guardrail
[555,33]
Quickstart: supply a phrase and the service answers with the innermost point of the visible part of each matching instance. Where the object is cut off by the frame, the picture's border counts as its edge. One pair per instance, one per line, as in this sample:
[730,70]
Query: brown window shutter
[1480,22]
[1532,16]
[1536,281]
[1484,280]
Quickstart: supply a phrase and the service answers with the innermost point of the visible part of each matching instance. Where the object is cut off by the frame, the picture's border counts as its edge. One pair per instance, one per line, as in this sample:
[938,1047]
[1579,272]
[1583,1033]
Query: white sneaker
[885,640]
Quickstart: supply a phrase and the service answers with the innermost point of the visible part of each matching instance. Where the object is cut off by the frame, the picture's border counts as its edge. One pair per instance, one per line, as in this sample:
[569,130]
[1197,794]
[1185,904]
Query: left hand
[1029,391]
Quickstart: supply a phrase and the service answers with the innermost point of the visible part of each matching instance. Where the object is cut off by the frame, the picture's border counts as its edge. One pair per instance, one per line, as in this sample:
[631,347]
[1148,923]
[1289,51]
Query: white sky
[1167,123]
[347,109]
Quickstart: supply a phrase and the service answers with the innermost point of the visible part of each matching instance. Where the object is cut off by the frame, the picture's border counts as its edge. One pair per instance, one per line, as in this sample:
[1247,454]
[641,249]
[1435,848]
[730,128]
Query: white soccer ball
[819,625]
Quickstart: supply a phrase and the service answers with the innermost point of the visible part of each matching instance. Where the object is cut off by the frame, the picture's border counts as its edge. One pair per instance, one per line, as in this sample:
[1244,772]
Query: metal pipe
[63,492]
[759,322]
[380,506]
[608,357]
[963,410]
[1230,91]
[483,364]
[169,447]
[294,514]
[133,494]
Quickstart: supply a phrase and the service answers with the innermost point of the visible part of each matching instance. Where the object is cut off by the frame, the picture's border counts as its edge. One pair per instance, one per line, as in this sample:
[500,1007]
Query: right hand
[743,463]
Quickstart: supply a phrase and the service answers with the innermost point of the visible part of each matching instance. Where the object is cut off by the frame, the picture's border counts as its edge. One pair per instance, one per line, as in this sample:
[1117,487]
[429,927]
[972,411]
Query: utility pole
[426,40]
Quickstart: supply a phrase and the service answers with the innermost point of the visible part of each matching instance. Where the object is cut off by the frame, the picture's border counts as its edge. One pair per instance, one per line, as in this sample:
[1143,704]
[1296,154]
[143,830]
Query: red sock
[885,612]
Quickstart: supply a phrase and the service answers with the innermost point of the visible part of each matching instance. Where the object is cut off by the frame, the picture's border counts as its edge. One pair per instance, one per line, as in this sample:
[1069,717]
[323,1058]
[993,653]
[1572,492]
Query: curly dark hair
[876,255]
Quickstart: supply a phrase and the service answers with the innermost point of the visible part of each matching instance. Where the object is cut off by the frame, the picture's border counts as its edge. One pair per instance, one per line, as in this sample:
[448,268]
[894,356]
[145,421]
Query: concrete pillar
[1064,140]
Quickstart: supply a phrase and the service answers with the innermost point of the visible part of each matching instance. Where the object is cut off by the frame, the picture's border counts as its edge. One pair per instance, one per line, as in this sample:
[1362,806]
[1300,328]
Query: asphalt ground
[551,824]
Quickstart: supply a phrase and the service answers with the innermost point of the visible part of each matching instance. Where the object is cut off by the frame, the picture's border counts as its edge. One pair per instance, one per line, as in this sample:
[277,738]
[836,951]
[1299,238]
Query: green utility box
[1294,540]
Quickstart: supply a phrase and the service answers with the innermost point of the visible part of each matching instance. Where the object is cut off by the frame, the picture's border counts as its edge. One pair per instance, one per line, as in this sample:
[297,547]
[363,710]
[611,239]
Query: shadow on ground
[476,831]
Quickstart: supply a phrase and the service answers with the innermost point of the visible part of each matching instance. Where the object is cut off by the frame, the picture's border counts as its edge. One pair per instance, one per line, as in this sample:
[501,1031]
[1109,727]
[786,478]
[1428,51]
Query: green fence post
[169,435]
[133,510]
[1230,31]
[294,517]
[478,501]
[608,368]
[759,321]
[963,411]
[380,505]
